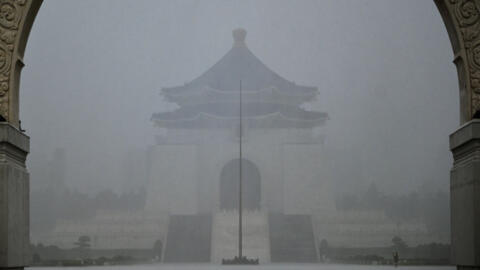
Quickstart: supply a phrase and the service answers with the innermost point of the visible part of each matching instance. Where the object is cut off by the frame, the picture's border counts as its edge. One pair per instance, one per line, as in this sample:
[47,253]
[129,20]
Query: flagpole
[240,259]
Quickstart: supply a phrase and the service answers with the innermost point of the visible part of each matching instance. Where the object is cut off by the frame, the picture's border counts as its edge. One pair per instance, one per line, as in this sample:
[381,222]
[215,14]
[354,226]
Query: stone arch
[16,20]
[462,20]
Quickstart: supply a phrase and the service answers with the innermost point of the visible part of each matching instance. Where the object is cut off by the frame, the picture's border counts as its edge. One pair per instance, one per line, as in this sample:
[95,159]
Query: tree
[433,210]
[347,202]
[399,244]
[157,249]
[323,249]
[83,242]
[36,259]
[373,198]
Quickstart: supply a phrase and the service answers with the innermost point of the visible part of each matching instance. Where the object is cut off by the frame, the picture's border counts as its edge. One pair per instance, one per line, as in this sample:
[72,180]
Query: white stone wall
[187,164]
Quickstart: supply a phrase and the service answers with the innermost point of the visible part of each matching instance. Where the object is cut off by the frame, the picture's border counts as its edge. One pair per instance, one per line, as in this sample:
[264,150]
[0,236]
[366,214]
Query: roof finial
[239,35]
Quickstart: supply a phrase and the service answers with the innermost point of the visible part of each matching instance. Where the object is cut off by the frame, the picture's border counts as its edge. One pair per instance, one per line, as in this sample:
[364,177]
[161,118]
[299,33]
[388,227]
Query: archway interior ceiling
[461,17]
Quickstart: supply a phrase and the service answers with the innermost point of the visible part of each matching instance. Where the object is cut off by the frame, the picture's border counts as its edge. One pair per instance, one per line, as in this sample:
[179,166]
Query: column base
[465,196]
[14,198]
[461,267]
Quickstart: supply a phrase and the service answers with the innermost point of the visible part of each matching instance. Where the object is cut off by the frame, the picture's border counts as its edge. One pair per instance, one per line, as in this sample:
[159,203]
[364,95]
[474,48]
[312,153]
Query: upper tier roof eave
[240,64]
[214,95]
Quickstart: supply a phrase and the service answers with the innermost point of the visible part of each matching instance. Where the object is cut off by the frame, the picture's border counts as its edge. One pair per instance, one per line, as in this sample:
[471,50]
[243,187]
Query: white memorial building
[196,159]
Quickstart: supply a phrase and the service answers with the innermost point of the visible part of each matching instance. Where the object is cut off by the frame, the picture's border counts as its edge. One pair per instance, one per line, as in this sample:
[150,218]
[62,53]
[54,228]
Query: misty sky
[384,69]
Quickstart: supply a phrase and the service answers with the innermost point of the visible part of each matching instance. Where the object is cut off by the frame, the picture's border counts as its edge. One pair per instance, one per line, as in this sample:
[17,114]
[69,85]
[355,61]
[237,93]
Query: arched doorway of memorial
[229,183]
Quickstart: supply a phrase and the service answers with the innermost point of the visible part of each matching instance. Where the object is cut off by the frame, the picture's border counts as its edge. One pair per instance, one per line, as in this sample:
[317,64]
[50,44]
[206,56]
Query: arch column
[462,20]
[16,19]
[14,198]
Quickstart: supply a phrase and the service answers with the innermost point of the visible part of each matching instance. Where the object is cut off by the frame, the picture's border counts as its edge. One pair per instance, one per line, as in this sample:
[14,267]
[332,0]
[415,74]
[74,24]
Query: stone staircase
[255,236]
[188,239]
[292,238]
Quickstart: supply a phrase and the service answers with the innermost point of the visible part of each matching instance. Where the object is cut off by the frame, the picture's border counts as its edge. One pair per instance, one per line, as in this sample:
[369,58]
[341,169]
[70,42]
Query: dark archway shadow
[229,185]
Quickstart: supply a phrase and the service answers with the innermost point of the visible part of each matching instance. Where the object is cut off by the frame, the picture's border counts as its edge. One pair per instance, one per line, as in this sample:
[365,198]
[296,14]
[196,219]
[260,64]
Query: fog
[95,69]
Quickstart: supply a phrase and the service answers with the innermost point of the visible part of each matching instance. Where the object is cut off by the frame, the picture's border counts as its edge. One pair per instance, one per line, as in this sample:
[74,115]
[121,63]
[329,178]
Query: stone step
[255,236]
[188,239]
[292,238]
